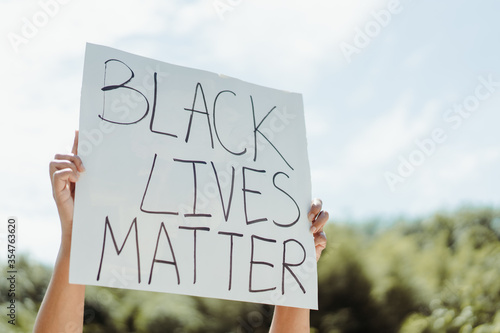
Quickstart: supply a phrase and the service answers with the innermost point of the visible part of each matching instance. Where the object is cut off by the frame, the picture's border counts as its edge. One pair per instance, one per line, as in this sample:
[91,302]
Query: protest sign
[196,184]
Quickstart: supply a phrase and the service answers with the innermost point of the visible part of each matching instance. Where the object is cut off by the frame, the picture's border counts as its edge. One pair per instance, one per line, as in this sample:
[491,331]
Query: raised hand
[64,173]
[318,218]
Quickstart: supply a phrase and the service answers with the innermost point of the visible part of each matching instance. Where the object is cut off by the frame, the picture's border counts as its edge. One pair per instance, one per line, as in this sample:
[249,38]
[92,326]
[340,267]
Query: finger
[316,205]
[60,165]
[73,158]
[319,243]
[320,222]
[61,177]
[320,238]
[74,150]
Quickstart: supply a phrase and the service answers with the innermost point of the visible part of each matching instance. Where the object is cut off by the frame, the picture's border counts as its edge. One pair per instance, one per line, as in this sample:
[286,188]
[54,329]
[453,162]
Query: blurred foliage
[439,274]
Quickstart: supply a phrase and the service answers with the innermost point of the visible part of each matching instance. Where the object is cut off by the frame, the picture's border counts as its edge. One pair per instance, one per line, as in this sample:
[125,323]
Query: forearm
[290,320]
[62,306]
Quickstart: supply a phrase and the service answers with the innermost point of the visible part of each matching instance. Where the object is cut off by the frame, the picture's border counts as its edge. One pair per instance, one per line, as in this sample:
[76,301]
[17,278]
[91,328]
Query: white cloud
[392,132]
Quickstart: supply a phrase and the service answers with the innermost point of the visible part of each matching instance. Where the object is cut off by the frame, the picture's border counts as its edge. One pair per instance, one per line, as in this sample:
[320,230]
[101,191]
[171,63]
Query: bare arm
[296,320]
[62,305]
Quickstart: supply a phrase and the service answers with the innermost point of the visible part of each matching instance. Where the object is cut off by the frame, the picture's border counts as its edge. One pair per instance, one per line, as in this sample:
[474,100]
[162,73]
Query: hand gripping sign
[196,184]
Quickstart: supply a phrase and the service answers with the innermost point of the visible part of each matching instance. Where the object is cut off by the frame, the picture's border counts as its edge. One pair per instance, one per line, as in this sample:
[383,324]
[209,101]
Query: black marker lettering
[245,190]
[215,125]
[120,86]
[193,110]
[226,213]
[107,226]
[173,262]
[256,130]
[287,266]
[195,187]
[231,234]
[146,190]
[195,229]
[253,262]
[154,110]
[288,195]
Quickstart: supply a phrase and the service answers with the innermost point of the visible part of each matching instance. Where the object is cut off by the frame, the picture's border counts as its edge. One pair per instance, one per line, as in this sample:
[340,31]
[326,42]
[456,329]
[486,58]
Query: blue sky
[364,113]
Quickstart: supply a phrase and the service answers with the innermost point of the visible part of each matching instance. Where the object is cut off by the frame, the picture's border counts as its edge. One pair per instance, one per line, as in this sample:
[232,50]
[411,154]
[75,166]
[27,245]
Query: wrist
[66,232]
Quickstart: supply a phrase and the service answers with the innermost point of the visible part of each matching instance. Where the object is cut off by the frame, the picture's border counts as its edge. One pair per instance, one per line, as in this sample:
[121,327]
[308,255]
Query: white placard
[196,184]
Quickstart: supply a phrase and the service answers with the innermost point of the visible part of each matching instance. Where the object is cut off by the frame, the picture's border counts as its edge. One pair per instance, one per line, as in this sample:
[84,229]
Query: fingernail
[310,217]
[313,230]
[83,168]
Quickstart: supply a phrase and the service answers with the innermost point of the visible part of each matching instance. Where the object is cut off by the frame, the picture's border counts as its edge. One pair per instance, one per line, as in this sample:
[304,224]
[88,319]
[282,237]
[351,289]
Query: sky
[401,98]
